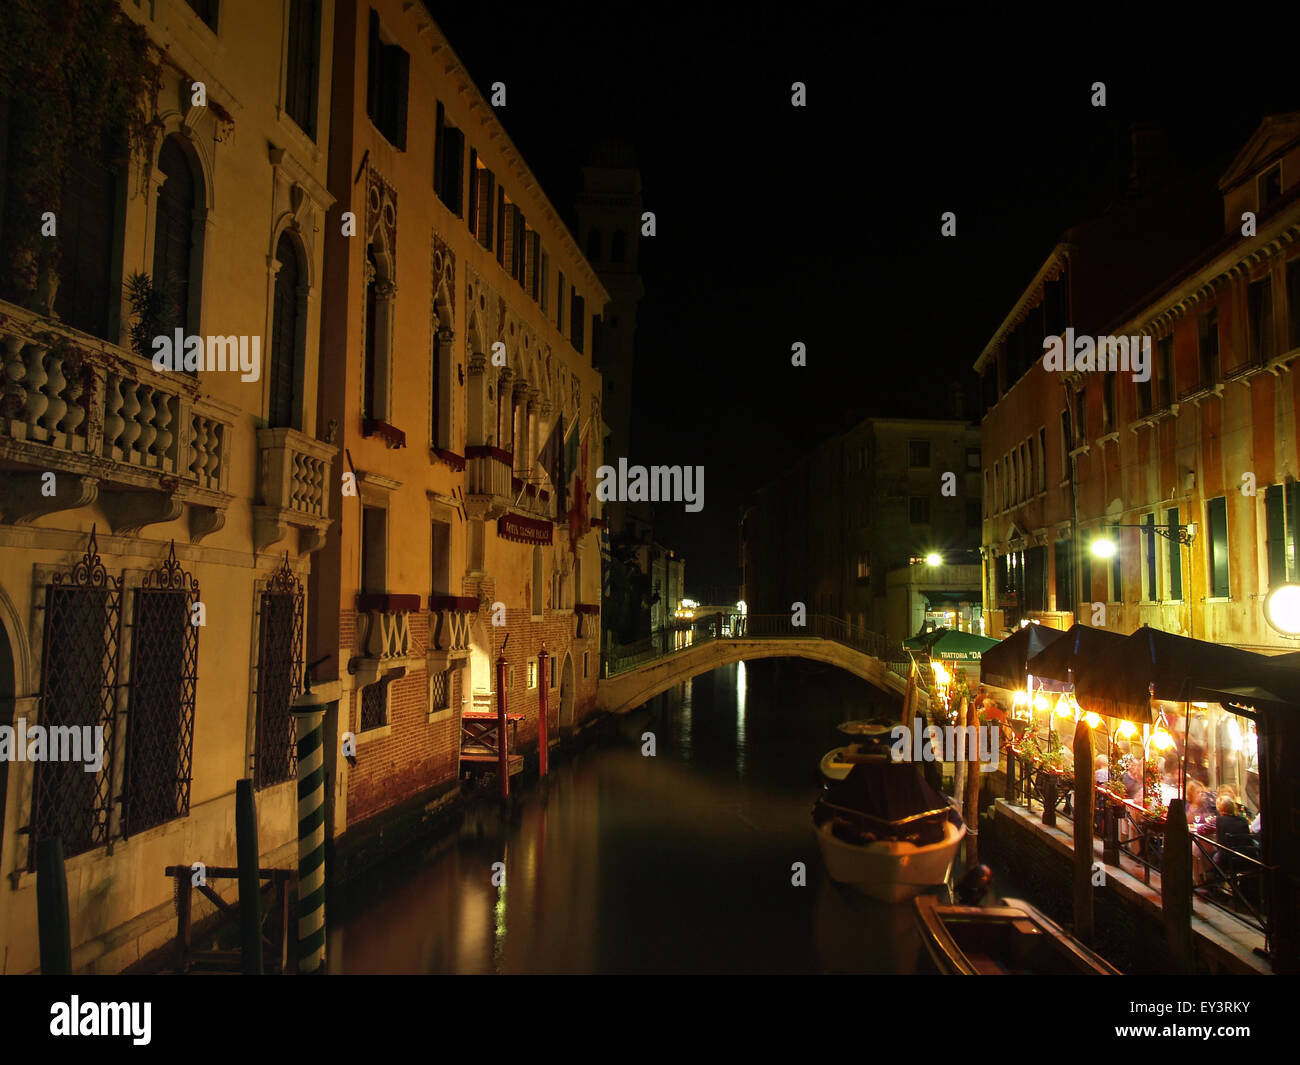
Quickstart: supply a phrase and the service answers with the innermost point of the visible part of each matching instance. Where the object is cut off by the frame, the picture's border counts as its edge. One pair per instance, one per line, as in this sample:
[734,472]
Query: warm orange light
[1161,740]
[1092,719]
[1063,707]
[1126,729]
[1020,699]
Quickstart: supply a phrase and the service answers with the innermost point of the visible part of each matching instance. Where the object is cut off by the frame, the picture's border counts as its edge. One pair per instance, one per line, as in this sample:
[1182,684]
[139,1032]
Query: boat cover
[887,791]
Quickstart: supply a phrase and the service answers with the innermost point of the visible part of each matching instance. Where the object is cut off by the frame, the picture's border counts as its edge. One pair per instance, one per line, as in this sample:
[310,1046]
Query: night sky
[821,224]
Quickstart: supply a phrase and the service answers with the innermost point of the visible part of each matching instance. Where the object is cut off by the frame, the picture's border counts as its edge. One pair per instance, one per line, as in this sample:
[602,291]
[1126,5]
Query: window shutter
[501,224]
[439,155]
[402,74]
[473,192]
[372,69]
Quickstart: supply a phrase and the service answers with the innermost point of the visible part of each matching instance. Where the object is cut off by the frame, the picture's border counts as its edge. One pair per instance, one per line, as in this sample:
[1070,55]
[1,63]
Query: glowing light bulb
[1040,701]
[1161,740]
[1063,707]
[1021,698]
[1092,719]
[1127,730]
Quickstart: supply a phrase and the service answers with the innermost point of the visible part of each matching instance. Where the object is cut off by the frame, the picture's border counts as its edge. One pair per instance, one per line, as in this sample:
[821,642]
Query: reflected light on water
[740,717]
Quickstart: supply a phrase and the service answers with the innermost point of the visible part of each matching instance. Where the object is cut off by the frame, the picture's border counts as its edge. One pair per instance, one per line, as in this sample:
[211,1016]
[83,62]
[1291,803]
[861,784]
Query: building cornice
[1029,299]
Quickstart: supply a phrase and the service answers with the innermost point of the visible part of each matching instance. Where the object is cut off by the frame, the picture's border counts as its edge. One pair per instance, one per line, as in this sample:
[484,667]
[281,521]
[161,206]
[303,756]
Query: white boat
[890,870]
[885,832]
[833,767]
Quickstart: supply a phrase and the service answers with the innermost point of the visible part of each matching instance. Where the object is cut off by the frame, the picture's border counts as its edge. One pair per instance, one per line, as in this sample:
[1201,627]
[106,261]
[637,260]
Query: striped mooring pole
[309,716]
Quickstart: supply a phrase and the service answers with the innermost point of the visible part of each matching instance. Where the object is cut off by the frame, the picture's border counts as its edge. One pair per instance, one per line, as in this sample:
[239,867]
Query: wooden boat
[837,763]
[1011,939]
[883,831]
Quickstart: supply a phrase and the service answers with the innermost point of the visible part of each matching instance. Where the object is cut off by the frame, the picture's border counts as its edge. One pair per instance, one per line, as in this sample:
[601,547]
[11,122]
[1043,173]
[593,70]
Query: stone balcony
[145,444]
[385,637]
[295,483]
[489,480]
[449,631]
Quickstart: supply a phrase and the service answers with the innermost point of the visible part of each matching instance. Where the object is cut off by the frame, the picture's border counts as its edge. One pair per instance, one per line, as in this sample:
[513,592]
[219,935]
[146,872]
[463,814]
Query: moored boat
[1012,939]
[885,832]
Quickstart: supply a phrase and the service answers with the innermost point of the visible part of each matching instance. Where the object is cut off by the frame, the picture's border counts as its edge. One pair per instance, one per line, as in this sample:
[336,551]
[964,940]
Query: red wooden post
[503,737]
[543,751]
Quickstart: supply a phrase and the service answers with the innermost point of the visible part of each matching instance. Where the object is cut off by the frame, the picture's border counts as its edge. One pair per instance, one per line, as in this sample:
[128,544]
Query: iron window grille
[440,690]
[279,676]
[79,678]
[160,715]
[374,705]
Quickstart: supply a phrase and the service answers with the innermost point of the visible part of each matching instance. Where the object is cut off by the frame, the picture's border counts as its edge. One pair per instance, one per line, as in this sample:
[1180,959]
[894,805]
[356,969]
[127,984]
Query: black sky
[821,224]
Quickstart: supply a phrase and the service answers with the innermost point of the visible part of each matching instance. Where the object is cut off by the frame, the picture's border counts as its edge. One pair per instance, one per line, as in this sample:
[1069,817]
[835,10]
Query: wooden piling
[1176,889]
[970,718]
[250,882]
[1083,813]
[503,735]
[52,924]
[543,748]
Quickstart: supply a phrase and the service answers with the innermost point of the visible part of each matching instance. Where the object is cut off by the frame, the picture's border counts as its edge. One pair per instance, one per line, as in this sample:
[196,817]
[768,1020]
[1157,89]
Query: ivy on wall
[79,77]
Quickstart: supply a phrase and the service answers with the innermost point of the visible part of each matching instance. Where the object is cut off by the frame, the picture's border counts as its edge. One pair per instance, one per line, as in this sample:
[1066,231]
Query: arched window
[593,246]
[285,324]
[617,250]
[173,248]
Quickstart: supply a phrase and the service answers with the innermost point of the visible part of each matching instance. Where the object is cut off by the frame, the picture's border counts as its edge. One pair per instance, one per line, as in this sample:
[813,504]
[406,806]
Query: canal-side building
[158,518]
[1208,441]
[878,525]
[459,317]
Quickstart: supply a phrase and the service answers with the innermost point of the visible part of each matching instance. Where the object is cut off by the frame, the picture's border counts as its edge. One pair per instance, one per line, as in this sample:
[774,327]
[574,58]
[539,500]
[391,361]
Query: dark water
[681,862]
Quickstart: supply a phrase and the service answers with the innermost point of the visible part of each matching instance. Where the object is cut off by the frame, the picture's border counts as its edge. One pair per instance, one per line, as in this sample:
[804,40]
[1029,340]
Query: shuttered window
[284,336]
[1217,515]
[387,82]
[303,73]
[174,231]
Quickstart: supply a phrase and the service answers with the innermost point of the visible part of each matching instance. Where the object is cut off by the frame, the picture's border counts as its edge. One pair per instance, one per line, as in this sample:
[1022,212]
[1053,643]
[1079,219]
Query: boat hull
[1012,939]
[889,870]
[832,769]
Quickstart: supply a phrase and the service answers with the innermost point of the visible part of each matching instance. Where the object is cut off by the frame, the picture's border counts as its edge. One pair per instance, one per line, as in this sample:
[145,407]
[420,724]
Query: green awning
[961,646]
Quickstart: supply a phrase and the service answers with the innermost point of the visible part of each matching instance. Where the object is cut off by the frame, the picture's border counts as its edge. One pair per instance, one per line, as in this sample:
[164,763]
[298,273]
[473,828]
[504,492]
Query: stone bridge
[636,674]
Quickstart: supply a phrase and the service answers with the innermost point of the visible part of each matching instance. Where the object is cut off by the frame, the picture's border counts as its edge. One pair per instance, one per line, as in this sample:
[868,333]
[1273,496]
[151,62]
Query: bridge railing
[669,641]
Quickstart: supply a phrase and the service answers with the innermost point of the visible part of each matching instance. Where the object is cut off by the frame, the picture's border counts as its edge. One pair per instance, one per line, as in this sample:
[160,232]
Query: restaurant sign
[524,530]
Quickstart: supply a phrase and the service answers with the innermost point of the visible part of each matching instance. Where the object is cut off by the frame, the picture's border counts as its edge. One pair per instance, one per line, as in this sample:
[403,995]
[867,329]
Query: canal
[680,862]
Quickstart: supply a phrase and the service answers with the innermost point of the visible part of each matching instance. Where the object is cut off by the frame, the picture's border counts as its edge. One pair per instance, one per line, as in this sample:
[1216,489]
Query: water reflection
[677,863]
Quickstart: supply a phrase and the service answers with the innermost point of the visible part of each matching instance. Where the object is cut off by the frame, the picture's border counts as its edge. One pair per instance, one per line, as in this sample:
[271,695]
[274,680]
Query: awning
[1118,675]
[923,641]
[1004,664]
[1086,657]
[961,646]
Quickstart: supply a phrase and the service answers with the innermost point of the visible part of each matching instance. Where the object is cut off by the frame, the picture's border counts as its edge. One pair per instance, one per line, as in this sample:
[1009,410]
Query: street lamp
[1282,609]
[934,559]
[1104,547]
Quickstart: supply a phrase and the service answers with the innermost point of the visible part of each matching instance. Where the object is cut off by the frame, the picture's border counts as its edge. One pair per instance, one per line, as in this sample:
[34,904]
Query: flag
[551,459]
[578,510]
[571,454]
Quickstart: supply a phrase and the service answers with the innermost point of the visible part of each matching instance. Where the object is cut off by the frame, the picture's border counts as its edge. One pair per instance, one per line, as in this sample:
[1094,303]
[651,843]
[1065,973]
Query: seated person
[1233,831]
[1133,779]
[1200,801]
[1101,769]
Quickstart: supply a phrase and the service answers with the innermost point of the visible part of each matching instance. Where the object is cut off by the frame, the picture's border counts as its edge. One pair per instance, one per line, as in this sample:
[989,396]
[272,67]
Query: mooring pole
[973,765]
[52,908]
[503,752]
[250,883]
[1176,889]
[309,717]
[543,750]
[1083,808]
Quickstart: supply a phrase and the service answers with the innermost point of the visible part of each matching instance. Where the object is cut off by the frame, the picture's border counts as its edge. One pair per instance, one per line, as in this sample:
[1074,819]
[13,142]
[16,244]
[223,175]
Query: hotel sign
[524,530]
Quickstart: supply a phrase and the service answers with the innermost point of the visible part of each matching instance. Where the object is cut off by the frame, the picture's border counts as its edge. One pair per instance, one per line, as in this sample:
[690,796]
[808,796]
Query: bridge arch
[626,691]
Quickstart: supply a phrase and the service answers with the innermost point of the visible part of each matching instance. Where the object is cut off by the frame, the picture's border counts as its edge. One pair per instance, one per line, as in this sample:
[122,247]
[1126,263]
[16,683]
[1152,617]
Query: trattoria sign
[524,530]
